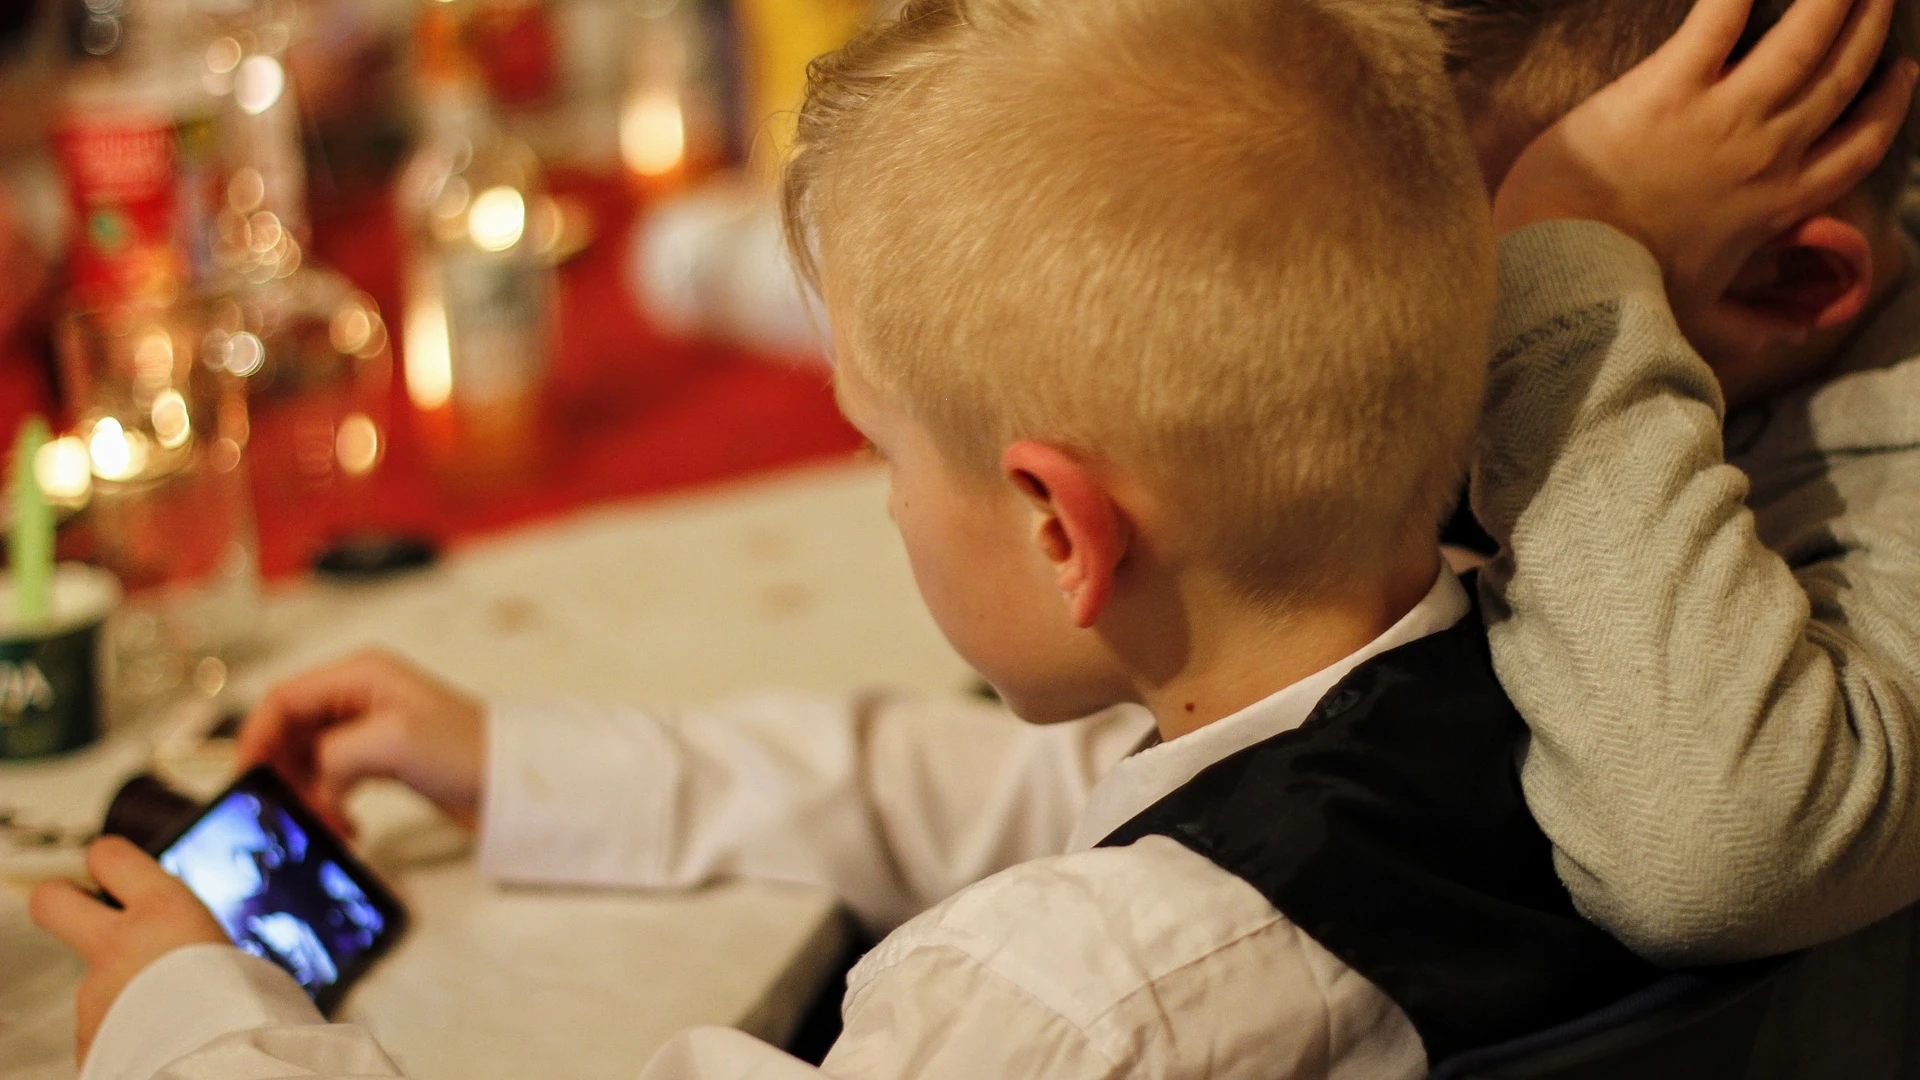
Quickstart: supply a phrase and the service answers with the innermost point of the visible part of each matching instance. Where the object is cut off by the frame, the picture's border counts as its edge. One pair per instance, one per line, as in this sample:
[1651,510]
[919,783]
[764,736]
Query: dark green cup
[53,674]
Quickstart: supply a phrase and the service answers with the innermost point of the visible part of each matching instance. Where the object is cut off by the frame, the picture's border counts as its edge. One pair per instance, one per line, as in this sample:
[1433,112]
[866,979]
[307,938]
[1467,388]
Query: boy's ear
[1817,276]
[1077,527]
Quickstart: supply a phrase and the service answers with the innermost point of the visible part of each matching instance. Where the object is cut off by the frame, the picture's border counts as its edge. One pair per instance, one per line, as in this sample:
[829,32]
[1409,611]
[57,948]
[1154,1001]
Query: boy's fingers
[1779,67]
[289,713]
[345,756]
[1843,73]
[122,869]
[61,909]
[1707,38]
[261,732]
[1850,153]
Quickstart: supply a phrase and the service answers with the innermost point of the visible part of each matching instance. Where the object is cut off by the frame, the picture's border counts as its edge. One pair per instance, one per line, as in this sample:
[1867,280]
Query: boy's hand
[1704,163]
[159,916]
[372,715]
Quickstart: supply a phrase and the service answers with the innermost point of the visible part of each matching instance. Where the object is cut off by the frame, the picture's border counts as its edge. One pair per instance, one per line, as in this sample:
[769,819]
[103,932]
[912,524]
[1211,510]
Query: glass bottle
[130,137]
[311,349]
[478,324]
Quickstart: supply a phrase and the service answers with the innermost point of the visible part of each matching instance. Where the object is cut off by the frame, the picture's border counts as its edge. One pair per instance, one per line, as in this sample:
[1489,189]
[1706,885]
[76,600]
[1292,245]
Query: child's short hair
[1520,65]
[1238,245]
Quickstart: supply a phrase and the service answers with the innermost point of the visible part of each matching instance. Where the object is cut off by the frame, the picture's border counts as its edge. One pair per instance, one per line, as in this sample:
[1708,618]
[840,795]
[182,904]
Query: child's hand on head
[1705,163]
[372,715]
[159,915]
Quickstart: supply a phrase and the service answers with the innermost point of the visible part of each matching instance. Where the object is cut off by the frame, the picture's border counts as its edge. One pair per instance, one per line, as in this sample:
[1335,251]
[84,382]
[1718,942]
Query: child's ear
[1077,527]
[1817,276]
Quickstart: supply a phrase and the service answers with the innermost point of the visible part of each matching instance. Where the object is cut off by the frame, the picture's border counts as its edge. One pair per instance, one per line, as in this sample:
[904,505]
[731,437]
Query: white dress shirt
[1034,954]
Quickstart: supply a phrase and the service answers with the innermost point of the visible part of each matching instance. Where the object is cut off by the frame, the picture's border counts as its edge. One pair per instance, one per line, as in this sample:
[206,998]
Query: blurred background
[335,284]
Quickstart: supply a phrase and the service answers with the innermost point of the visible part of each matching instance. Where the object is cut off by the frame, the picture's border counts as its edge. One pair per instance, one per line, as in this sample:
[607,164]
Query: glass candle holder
[166,439]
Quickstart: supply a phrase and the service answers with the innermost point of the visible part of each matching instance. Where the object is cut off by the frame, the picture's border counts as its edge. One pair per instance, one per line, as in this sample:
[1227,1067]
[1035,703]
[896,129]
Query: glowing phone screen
[279,888]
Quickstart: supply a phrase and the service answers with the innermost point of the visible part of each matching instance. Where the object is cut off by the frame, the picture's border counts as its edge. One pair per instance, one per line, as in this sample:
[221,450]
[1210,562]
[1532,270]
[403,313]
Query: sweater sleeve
[893,803]
[1723,744]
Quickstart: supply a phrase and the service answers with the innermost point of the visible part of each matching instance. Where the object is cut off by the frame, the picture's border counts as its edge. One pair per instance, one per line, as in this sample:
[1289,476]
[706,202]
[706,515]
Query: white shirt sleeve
[893,803]
[1138,961]
[214,1011]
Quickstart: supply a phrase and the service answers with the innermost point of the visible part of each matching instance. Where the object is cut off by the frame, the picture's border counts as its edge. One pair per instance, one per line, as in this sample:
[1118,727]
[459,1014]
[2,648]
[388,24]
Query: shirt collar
[1138,782]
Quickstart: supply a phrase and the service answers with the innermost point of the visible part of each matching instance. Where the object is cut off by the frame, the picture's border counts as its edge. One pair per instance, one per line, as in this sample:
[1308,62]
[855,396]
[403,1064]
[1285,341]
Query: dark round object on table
[148,812]
[369,555]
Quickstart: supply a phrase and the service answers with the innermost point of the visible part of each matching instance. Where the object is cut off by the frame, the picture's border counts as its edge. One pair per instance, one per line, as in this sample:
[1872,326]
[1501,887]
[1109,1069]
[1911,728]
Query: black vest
[1390,828]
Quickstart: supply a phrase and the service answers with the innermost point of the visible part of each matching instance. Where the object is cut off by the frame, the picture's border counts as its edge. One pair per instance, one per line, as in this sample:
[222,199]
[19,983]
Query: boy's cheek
[1045,671]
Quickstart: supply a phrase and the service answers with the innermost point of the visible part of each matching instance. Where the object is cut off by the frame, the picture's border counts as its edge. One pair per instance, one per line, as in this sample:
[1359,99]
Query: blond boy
[1168,317]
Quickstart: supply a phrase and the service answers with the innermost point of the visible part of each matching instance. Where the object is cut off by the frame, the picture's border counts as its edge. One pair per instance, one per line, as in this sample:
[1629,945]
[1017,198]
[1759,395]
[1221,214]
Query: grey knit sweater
[1722,677]
[1713,631]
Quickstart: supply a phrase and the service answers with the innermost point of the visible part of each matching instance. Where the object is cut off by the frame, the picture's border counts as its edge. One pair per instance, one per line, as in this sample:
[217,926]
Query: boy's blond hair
[1520,65]
[1238,246]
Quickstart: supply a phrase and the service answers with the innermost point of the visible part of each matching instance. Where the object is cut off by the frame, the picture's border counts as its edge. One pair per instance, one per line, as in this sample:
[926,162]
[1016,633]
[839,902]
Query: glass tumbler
[317,364]
[166,436]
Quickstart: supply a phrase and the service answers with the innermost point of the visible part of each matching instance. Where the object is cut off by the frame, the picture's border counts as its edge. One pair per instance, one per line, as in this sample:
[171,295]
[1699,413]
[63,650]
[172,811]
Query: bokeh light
[498,219]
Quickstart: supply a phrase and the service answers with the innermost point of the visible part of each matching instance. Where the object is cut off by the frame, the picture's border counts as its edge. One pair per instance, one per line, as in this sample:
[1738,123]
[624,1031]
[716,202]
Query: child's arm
[893,803]
[1724,745]
[1088,966]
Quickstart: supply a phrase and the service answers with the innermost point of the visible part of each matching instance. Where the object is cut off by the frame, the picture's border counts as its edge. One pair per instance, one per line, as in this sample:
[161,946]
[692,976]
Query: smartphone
[285,888]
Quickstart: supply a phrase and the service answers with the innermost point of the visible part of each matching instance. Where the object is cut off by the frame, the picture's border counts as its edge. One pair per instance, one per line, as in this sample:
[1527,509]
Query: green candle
[30,551]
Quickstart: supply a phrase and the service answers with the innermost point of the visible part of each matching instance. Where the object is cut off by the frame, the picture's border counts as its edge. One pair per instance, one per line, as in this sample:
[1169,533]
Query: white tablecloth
[797,582]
